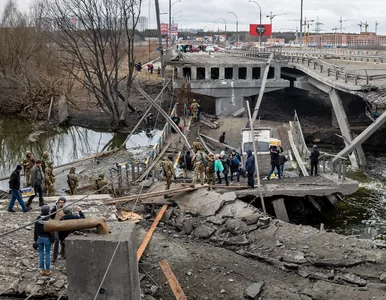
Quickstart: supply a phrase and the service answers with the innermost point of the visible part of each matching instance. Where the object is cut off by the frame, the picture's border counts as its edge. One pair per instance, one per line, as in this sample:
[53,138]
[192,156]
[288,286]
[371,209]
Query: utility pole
[161,49]
[170,23]
[318,24]
[301,23]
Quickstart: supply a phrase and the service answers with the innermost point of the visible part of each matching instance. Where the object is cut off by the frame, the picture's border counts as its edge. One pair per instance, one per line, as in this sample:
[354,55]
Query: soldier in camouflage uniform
[72,181]
[196,146]
[210,171]
[168,172]
[45,160]
[101,185]
[194,108]
[199,163]
[49,179]
[28,163]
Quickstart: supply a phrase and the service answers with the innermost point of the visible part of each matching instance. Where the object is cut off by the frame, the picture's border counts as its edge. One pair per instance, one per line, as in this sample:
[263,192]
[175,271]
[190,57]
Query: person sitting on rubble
[68,215]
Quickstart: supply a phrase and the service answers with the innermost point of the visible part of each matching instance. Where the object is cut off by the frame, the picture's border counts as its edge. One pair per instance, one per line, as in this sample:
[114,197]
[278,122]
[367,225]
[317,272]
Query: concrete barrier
[87,259]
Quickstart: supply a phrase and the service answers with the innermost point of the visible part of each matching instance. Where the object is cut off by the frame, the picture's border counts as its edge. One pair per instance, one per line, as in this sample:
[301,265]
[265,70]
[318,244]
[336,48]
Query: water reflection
[64,144]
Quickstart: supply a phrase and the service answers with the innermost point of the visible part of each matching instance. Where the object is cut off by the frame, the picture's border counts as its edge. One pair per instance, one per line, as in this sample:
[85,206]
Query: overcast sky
[201,13]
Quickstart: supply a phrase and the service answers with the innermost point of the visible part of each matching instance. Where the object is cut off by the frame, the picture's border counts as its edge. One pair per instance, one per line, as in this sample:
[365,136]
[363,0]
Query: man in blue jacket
[250,168]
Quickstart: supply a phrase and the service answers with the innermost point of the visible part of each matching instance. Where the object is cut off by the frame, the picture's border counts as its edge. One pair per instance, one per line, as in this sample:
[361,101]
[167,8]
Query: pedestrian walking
[226,165]
[37,180]
[222,138]
[282,160]
[250,169]
[199,162]
[72,181]
[168,173]
[275,161]
[314,160]
[14,188]
[235,160]
[210,171]
[194,109]
[44,241]
[218,168]
[56,214]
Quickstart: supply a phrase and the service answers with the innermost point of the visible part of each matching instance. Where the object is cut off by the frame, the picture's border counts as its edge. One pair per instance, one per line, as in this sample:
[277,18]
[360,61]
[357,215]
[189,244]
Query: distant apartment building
[345,39]
[275,41]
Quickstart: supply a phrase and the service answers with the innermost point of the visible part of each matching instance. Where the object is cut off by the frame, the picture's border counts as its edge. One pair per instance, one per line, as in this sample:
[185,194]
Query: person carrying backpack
[235,164]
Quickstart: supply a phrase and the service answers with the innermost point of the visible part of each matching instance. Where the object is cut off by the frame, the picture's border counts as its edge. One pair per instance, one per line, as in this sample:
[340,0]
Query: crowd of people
[43,240]
[39,175]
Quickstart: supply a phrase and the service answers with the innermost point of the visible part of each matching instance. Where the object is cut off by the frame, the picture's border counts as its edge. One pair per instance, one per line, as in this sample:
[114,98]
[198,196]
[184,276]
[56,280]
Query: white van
[263,139]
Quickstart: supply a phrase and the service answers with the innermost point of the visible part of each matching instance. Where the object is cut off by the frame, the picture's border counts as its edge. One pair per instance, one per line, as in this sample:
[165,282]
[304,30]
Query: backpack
[235,161]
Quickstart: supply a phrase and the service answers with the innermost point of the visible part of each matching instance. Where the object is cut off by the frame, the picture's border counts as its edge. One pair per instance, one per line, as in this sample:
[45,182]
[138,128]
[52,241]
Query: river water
[64,144]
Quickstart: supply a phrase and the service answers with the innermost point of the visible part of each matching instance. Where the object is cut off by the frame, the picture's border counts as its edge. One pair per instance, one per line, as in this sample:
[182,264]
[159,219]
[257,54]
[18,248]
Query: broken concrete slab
[167,214]
[188,226]
[296,257]
[202,202]
[146,183]
[321,276]
[204,232]
[239,240]
[354,279]
[382,277]
[337,263]
[238,226]
[229,197]
[238,209]
[254,290]
[216,220]
[252,219]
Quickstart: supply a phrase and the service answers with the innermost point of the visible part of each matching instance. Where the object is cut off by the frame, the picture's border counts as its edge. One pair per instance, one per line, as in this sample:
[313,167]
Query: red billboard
[164,28]
[255,29]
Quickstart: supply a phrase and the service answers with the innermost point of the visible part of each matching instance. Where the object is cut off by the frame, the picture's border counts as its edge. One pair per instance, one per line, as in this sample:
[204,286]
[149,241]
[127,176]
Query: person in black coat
[314,160]
[275,160]
[68,215]
[250,168]
[14,188]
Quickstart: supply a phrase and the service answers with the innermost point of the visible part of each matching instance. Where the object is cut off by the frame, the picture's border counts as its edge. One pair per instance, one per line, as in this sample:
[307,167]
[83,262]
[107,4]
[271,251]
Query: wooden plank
[149,234]
[154,162]
[172,279]
[296,154]
[216,142]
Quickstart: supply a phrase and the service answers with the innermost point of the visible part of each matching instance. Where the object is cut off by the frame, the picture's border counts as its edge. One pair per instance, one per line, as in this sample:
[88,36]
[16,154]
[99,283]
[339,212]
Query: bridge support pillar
[207,73]
[249,73]
[227,106]
[222,73]
[193,74]
[357,158]
[277,72]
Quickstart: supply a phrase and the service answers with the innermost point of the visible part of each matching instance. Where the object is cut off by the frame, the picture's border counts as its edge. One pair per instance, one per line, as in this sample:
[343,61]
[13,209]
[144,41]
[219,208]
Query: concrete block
[252,219]
[254,290]
[87,259]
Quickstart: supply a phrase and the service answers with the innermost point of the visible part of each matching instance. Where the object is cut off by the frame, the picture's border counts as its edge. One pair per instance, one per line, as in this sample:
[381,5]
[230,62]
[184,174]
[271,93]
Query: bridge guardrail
[334,71]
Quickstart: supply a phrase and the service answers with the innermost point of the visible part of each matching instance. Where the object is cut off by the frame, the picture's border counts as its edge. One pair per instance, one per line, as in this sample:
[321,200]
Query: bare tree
[96,37]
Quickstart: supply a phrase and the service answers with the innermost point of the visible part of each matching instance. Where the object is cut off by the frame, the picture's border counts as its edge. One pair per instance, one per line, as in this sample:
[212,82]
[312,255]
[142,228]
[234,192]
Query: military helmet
[170,156]
[211,154]
[101,176]
[72,169]
[50,163]
[45,153]
[194,100]
[28,152]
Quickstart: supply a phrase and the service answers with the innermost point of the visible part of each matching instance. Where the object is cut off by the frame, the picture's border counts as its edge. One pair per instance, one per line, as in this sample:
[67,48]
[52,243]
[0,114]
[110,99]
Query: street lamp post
[301,23]
[174,15]
[225,28]
[170,18]
[260,29]
[237,27]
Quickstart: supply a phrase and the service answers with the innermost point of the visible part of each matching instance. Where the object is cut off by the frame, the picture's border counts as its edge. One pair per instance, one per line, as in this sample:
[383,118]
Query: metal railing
[161,140]
[312,63]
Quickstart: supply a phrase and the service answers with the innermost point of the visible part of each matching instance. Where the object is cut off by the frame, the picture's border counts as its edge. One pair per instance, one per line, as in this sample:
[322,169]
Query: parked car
[195,49]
